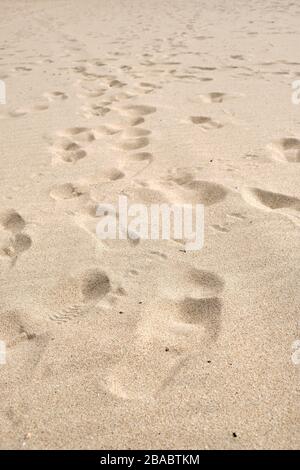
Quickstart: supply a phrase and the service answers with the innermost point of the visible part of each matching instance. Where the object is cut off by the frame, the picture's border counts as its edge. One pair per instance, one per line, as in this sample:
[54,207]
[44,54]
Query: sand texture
[122,344]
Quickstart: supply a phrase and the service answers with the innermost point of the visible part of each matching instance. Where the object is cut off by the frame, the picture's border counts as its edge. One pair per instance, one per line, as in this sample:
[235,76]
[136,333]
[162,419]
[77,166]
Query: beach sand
[125,345]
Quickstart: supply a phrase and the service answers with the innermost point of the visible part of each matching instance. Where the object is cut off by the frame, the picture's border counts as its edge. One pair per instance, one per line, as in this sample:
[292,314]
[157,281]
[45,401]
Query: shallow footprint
[13,246]
[286,149]
[25,342]
[133,144]
[135,163]
[12,220]
[67,151]
[213,97]
[133,132]
[268,200]
[67,191]
[138,110]
[80,293]
[206,312]
[201,192]
[142,374]
[205,123]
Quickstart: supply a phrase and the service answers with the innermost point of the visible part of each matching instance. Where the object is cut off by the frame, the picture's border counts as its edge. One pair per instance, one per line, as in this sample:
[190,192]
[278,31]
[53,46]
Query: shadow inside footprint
[207,193]
[205,122]
[94,285]
[12,221]
[204,311]
[286,149]
[270,200]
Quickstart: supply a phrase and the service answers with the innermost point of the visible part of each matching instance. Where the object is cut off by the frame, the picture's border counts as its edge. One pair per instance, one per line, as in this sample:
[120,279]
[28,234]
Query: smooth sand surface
[123,345]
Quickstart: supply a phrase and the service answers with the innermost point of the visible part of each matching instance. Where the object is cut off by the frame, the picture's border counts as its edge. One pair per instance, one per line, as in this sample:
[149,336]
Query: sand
[123,345]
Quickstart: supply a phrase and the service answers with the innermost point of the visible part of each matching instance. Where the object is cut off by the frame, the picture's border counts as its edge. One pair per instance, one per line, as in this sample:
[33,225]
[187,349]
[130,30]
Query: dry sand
[121,345]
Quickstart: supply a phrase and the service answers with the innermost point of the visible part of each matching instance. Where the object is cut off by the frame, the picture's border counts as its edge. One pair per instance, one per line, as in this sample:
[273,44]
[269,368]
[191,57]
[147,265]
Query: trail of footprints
[192,306]
[70,146]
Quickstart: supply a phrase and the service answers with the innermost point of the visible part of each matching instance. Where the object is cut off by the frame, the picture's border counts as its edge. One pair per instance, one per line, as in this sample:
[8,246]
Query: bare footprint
[138,110]
[14,245]
[80,293]
[106,130]
[67,151]
[12,221]
[25,341]
[67,191]
[136,163]
[206,312]
[192,190]
[133,132]
[218,97]
[286,149]
[133,144]
[13,241]
[213,97]
[79,134]
[184,315]
[270,201]
[18,112]
[55,95]
[206,123]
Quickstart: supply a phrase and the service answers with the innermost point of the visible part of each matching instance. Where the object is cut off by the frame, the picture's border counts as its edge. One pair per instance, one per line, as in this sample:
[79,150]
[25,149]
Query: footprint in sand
[137,110]
[184,186]
[98,110]
[106,130]
[205,123]
[78,134]
[95,93]
[40,107]
[19,112]
[148,87]
[55,95]
[67,191]
[134,132]
[67,151]
[218,97]
[183,317]
[270,201]
[103,176]
[13,242]
[129,121]
[12,221]
[134,138]
[121,96]
[25,341]
[286,149]
[133,144]
[220,228]
[213,97]
[135,163]
[78,295]
[116,84]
